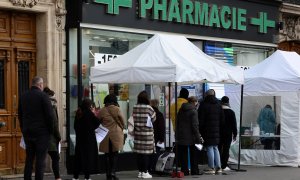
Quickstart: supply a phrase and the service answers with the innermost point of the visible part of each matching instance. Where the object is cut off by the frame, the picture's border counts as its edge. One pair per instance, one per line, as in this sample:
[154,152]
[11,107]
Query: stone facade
[50,45]
[290,16]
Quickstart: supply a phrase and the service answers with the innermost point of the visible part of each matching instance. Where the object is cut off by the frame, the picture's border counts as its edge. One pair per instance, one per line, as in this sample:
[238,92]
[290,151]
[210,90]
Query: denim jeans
[213,157]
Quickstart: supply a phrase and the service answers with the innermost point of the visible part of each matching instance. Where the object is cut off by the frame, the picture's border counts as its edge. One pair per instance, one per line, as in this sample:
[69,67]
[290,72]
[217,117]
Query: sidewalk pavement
[251,173]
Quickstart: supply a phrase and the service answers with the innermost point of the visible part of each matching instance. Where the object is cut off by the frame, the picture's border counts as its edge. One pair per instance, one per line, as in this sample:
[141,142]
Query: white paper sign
[101,132]
[199,146]
[22,143]
[161,145]
[59,148]
[149,122]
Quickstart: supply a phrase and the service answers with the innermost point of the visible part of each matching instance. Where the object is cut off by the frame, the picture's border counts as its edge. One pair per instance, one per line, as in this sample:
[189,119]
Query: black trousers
[143,161]
[55,163]
[183,159]
[111,162]
[224,147]
[36,148]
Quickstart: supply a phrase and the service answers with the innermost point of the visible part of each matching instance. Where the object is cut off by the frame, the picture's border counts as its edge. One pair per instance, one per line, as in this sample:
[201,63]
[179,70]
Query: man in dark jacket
[210,121]
[187,135]
[36,122]
[228,132]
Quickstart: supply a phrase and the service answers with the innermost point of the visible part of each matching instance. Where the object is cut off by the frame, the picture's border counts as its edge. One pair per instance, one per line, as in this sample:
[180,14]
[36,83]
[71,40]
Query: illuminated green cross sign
[262,22]
[193,12]
[114,5]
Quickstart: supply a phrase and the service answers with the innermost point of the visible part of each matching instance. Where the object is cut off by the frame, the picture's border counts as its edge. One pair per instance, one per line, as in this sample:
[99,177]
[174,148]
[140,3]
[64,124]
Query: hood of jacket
[187,107]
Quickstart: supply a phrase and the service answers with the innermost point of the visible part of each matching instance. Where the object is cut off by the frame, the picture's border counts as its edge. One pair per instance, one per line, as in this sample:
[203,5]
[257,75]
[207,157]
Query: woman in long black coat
[86,150]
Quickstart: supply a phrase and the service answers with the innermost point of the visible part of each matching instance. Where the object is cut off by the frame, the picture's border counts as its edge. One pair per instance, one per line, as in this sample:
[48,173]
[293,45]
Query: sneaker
[227,169]
[140,175]
[218,170]
[146,175]
[209,171]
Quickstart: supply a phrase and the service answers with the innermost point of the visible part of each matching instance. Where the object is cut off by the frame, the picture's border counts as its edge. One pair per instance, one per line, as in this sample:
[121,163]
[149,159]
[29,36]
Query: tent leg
[241,117]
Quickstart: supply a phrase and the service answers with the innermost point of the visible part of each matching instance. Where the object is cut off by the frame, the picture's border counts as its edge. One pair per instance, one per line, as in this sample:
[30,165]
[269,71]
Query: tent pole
[169,103]
[176,128]
[241,118]
[92,92]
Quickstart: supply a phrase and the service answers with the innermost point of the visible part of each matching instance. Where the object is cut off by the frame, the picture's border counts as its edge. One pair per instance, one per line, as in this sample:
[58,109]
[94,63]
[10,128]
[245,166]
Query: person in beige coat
[113,120]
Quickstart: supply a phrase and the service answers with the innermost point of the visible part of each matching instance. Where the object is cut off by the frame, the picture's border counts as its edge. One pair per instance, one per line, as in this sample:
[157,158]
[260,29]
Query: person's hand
[201,140]
[234,138]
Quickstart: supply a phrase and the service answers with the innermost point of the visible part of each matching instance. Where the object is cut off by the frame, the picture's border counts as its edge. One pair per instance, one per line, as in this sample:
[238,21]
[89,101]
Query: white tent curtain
[279,77]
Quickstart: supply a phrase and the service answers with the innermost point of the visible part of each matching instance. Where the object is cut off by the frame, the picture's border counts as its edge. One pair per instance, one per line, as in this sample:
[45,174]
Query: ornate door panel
[290,46]
[17,67]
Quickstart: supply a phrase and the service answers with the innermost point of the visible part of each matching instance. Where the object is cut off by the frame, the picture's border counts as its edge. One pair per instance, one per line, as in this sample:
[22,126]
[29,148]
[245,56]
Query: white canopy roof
[279,72]
[166,58]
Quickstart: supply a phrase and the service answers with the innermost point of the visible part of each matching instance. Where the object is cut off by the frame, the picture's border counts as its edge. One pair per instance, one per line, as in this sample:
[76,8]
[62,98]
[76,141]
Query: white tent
[277,78]
[166,58]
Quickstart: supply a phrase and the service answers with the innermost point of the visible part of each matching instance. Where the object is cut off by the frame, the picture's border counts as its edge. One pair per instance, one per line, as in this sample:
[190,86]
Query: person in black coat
[228,133]
[210,120]
[188,135]
[159,127]
[36,118]
[86,150]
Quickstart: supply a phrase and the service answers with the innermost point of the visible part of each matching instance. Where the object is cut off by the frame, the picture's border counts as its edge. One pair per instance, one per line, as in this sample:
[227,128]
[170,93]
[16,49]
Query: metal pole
[241,120]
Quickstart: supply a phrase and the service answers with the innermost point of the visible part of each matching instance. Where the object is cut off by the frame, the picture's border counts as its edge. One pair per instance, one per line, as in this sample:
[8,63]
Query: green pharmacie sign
[194,13]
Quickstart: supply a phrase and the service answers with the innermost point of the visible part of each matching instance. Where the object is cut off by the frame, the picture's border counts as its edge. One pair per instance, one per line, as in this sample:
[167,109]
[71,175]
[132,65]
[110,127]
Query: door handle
[15,103]
[2,124]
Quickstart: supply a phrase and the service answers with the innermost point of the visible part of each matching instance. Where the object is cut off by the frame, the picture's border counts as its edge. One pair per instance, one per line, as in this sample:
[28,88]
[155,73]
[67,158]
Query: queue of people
[202,126]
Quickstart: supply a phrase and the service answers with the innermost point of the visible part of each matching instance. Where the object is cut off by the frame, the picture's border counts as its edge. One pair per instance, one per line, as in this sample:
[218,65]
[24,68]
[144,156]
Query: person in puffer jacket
[188,135]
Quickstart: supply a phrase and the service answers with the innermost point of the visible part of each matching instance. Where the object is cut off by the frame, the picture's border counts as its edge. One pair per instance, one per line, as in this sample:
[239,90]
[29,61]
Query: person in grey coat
[188,135]
[55,138]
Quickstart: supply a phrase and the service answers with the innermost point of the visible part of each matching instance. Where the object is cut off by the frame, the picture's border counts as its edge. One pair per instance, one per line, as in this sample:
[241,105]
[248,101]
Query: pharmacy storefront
[238,32]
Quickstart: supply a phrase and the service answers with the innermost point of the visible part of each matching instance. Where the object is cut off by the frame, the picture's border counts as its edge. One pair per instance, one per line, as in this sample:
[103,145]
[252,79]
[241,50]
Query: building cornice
[290,8]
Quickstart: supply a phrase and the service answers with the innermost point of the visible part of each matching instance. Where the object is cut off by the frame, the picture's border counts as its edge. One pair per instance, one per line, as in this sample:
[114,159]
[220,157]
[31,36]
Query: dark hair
[184,93]
[225,100]
[154,103]
[49,91]
[142,98]
[111,99]
[268,106]
[36,81]
[86,104]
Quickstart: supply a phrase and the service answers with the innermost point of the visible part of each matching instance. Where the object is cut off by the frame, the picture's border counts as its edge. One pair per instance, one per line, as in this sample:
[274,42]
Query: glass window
[243,56]
[73,88]
[98,47]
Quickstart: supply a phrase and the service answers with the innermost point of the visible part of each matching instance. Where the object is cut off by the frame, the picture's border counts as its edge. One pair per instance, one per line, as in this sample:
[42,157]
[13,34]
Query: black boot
[114,161]
[107,167]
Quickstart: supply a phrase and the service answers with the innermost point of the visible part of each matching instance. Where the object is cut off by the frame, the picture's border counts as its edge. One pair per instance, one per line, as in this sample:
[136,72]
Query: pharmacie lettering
[194,12]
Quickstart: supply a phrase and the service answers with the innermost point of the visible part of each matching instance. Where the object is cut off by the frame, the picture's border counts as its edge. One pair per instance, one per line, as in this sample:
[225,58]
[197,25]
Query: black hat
[225,100]
[184,93]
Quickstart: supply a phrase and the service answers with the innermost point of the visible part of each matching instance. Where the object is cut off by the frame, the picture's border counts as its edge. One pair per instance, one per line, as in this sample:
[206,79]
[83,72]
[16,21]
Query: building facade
[239,32]
[32,42]
[289,38]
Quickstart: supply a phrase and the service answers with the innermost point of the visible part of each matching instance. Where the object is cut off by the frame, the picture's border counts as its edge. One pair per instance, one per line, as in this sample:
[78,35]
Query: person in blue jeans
[211,118]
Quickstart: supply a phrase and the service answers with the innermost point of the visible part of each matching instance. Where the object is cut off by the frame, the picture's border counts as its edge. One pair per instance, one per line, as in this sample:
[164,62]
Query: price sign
[103,58]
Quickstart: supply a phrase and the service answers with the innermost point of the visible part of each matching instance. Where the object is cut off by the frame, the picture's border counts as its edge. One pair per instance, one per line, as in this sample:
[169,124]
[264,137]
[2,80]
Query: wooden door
[17,67]
[290,46]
